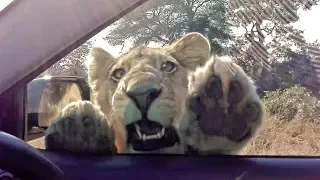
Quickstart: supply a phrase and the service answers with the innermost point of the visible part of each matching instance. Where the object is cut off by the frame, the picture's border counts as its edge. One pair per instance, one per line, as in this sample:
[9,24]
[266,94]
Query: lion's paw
[223,109]
[81,128]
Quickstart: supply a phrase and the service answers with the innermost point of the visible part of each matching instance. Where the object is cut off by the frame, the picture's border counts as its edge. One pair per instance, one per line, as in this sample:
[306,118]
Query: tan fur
[228,71]
[92,132]
[50,110]
[142,66]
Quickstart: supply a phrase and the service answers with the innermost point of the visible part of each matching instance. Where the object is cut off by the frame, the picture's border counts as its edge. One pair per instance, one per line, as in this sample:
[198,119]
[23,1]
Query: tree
[272,19]
[166,21]
[296,69]
[269,37]
[72,64]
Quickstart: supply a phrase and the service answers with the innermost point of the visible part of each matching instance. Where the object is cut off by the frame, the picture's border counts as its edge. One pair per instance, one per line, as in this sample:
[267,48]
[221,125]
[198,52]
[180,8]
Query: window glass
[275,42]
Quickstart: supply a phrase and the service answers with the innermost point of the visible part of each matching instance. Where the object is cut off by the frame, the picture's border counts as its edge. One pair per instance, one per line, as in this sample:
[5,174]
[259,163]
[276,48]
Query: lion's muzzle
[145,134]
[144,98]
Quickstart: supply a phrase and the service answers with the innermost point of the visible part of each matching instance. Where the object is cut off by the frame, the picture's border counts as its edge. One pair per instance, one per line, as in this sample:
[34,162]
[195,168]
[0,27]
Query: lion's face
[143,91]
[147,87]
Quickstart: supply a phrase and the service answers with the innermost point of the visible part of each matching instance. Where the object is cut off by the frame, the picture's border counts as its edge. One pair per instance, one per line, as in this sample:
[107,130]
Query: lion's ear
[191,50]
[98,61]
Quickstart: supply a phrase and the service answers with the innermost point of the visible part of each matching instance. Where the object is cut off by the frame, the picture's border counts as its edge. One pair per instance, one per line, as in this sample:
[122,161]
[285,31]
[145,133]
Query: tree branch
[196,8]
[161,39]
[158,36]
[192,3]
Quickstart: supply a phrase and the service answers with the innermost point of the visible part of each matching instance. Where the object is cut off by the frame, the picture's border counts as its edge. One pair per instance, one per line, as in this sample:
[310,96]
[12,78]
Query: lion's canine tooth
[144,137]
[159,135]
[138,130]
[162,131]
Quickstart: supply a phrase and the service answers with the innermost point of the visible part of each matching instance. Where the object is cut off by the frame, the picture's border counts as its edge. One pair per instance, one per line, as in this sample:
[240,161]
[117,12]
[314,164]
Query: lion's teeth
[162,131]
[144,137]
[138,131]
[159,135]
[150,137]
[137,127]
[155,136]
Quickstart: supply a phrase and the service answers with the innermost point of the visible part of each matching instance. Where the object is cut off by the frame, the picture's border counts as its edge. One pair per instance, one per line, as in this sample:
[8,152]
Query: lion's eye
[117,74]
[168,66]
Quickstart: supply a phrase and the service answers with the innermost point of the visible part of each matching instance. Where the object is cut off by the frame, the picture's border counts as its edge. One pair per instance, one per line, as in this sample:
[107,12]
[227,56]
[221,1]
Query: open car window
[73,18]
[276,43]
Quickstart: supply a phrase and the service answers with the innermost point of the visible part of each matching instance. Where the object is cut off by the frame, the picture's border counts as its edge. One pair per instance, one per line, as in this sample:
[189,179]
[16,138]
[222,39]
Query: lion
[54,97]
[176,99]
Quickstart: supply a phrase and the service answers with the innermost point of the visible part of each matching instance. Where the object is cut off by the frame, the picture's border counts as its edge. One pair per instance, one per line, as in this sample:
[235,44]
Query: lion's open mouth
[146,135]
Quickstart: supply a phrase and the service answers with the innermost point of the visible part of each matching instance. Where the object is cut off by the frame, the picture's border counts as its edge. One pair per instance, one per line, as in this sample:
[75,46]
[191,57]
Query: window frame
[13,101]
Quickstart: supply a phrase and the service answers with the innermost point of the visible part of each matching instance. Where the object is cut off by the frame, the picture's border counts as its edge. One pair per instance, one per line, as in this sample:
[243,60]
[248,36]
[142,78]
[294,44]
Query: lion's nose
[144,98]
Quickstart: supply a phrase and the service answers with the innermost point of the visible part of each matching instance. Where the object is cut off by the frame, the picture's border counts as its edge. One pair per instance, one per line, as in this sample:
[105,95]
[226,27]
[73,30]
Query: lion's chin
[147,135]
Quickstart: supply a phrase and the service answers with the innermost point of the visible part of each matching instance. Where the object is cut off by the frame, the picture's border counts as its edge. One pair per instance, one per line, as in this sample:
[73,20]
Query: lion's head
[144,90]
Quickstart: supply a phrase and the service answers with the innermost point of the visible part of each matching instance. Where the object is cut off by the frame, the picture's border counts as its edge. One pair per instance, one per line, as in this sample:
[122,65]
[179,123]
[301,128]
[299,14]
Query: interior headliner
[36,34]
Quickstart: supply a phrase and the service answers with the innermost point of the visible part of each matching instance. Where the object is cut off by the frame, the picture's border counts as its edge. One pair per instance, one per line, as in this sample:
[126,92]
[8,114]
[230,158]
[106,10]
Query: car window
[275,42]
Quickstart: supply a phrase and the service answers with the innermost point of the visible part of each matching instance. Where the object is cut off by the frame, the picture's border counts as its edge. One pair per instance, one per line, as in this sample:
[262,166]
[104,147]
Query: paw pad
[251,112]
[214,88]
[214,118]
[235,93]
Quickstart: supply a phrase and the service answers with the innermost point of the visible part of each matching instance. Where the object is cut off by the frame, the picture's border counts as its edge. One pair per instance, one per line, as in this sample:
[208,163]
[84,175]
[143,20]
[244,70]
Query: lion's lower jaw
[176,149]
[169,143]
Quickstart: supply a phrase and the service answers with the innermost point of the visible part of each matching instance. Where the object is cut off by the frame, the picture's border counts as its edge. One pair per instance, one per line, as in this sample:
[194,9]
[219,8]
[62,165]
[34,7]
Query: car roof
[36,34]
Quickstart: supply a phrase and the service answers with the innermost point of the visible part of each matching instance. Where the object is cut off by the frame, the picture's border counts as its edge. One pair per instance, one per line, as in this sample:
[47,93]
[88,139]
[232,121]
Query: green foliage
[72,64]
[292,102]
[282,42]
[166,20]
[296,69]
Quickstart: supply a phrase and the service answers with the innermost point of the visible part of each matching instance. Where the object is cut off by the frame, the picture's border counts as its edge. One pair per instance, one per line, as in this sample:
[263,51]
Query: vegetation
[293,102]
[164,21]
[71,65]
[291,126]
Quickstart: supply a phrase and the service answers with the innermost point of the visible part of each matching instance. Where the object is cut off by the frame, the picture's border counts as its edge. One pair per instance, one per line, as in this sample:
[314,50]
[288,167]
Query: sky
[307,22]
[4,3]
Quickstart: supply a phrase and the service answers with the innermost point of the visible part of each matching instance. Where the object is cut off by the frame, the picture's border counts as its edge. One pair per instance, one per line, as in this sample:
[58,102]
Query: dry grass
[299,137]
[37,143]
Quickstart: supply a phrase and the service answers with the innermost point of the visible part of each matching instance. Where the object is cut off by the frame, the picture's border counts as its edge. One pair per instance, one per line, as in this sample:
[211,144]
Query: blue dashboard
[153,167]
